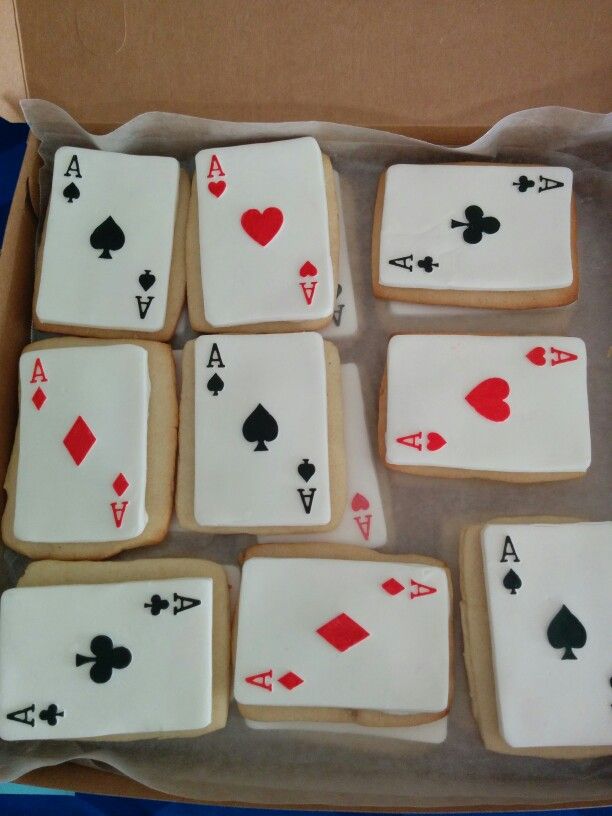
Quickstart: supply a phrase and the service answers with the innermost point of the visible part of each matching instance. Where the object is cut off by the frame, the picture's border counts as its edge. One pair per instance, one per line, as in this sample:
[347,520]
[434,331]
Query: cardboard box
[432,69]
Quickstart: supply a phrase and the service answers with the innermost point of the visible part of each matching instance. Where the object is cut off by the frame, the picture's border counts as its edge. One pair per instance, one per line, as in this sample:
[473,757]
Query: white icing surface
[57,500]
[434,732]
[243,281]
[531,250]
[402,665]
[167,685]
[362,478]
[543,700]
[236,485]
[344,321]
[78,287]
[429,377]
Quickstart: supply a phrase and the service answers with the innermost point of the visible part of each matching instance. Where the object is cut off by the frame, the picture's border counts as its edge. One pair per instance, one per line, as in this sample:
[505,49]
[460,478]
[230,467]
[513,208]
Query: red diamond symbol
[121,484]
[342,632]
[392,586]
[290,680]
[39,398]
[79,440]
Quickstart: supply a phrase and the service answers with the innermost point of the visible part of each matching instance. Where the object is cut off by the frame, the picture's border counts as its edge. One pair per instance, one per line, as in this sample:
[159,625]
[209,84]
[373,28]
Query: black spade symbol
[306,470]
[512,581]
[215,384]
[146,280]
[71,192]
[566,632]
[523,184]
[476,224]
[107,236]
[105,657]
[50,714]
[261,427]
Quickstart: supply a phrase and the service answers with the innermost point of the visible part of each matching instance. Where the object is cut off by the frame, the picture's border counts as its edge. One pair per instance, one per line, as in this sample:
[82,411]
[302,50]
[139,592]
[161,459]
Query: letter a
[559,356]
[262,681]
[421,589]
[119,509]
[38,372]
[215,358]
[365,524]
[73,167]
[185,603]
[21,716]
[215,167]
[549,184]
[508,551]
[412,440]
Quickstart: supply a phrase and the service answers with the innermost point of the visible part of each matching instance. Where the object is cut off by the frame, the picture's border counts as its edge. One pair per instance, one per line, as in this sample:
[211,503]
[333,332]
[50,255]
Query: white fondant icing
[429,377]
[542,699]
[77,286]
[434,732]
[530,250]
[166,686]
[363,525]
[344,320]
[245,282]
[58,500]
[401,665]
[235,484]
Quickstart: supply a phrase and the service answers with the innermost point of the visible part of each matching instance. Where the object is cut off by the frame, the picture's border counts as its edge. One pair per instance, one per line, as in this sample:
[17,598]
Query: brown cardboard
[438,71]
[394,62]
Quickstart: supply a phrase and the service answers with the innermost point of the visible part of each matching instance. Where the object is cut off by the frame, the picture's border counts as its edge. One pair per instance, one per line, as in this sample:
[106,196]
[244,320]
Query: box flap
[393,62]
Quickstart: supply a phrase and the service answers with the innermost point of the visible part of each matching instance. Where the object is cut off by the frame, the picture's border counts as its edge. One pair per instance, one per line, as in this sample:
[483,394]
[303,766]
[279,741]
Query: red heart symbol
[537,355]
[488,399]
[435,441]
[217,188]
[308,270]
[359,502]
[262,226]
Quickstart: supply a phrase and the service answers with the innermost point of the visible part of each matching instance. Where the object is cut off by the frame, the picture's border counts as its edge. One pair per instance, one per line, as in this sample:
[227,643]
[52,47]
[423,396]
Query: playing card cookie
[92,468]
[262,238]
[261,446]
[338,634]
[112,256]
[536,611]
[133,650]
[493,236]
[508,408]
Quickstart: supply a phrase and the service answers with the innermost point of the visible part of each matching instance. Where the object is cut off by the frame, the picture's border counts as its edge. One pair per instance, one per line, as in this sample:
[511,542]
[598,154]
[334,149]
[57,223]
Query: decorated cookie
[112,257]
[543,686]
[338,634]
[509,408]
[117,650]
[262,238]
[493,236]
[92,468]
[363,522]
[260,444]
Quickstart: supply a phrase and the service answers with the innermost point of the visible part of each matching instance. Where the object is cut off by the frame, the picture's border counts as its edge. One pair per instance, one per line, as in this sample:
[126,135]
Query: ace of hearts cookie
[493,236]
[112,256]
[263,238]
[92,468]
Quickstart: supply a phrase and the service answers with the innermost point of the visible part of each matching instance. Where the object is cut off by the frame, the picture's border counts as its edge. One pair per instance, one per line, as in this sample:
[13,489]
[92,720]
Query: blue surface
[12,147]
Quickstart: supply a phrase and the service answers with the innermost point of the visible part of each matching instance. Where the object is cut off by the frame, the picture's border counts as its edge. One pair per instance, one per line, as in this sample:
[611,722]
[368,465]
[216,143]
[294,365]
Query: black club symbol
[106,657]
[523,184]
[476,224]
[157,604]
[50,714]
[427,263]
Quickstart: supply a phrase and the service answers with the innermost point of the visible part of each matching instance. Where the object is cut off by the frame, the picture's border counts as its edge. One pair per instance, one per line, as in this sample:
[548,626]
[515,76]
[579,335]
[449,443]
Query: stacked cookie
[270,438]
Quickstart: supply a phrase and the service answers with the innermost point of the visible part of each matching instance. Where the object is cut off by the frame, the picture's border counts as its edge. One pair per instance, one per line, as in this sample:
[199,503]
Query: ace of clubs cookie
[107,256]
[488,406]
[262,453]
[264,236]
[343,634]
[500,229]
[549,604]
[93,660]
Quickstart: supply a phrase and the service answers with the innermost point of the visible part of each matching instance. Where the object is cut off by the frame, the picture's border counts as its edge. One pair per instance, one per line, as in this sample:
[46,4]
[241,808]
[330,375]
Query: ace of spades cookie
[93,660]
[549,605]
[261,457]
[107,256]
[265,253]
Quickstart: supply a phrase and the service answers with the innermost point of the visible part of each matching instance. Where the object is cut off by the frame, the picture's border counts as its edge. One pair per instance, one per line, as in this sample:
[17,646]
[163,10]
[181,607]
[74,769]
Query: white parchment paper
[425,514]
